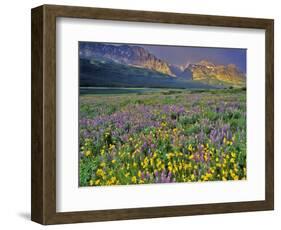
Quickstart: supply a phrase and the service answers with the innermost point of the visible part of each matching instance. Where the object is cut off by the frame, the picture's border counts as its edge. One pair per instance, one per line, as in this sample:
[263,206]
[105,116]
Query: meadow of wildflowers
[162,137]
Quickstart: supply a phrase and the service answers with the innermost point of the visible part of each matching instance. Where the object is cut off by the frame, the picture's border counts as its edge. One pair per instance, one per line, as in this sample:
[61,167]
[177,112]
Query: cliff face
[207,71]
[124,54]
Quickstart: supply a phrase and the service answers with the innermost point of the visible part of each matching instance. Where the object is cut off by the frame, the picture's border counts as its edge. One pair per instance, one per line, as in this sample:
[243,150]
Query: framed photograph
[148,114]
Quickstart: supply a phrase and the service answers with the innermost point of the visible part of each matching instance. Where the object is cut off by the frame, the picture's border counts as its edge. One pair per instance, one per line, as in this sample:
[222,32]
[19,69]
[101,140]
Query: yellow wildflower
[218,165]
[88,153]
[111,147]
[180,166]
[170,168]
[100,172]
[170,155]
[205,157]
[163,124]
[134,179]
[127,174]
[112,180]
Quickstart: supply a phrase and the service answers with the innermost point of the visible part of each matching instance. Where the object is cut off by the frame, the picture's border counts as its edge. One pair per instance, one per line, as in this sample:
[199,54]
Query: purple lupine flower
[168,178]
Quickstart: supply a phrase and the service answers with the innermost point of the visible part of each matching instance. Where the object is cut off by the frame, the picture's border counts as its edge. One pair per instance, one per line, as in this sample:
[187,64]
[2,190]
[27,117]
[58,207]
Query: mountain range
[104,64]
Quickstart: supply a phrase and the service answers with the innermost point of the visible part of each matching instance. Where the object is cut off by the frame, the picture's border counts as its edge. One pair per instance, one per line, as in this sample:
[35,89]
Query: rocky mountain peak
[209,72]
[125,54]
[206,63]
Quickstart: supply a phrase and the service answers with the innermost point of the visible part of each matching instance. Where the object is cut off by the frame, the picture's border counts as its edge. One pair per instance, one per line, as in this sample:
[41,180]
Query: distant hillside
[105,72]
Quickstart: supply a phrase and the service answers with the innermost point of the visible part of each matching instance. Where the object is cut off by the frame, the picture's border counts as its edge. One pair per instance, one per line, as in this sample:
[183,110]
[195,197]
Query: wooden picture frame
[43,189]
